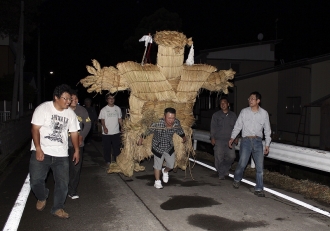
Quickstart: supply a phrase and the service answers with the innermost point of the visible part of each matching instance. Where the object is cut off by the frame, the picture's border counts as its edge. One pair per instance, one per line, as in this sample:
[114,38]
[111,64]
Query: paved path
[115,202]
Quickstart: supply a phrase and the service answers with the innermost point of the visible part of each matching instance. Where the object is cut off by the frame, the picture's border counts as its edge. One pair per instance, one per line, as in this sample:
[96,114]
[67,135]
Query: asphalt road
[115,202]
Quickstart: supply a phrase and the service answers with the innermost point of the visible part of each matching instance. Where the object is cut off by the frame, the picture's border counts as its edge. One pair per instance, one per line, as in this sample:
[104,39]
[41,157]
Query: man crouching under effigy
[162,144]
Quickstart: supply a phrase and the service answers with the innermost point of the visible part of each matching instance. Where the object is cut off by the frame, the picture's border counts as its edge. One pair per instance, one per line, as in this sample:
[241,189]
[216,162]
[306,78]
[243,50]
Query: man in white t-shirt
[51,122]
[110,117]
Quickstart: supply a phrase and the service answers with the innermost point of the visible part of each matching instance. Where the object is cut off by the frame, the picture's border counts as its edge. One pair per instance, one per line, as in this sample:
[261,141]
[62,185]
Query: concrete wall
[267,86]
[14,134]
[245,66]
[320,83]
[257,52]
[293,82]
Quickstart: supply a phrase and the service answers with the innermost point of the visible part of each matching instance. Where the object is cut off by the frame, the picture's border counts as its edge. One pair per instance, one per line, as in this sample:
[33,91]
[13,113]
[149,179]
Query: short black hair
[169,110]
[257,94]
[74,92]
[224,98]
[87,100]
[108,95]
[59,90]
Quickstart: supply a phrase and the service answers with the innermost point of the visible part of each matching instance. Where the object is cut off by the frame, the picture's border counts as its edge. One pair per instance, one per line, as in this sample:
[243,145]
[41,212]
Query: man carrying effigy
[162,144]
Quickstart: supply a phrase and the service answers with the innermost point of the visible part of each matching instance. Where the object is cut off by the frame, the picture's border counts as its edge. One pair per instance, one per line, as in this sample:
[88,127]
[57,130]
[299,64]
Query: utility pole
[18,66]
[21,71]
[38,75]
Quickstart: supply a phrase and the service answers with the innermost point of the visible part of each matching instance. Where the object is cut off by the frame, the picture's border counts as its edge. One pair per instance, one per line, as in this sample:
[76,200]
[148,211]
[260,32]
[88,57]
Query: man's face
[74,101]
[224,105]
[64,101]
[87,103]
[111,101]
[253,101]
[169,118]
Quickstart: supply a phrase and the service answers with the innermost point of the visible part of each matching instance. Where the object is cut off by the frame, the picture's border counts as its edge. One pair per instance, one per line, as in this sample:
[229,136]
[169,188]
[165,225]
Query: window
[293,105]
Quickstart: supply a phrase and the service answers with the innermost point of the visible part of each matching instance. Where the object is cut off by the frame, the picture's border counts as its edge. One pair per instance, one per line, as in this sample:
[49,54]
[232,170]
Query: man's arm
[120,121]
[87,124]
[75,143]
[212,129]
[237,128]
[149,130]
[104,127]
[35,131]
[267,131]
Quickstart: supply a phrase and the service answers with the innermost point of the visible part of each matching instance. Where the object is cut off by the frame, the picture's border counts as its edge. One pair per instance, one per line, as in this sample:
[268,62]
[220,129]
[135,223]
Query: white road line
[18,208]
[301,203]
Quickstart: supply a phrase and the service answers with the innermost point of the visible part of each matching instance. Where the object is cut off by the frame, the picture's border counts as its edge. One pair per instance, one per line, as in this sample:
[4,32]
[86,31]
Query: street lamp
[50,73]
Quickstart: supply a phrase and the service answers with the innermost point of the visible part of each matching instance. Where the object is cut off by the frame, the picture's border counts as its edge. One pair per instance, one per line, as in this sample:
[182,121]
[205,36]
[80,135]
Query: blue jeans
[255,146]
[74,172]
[38,175]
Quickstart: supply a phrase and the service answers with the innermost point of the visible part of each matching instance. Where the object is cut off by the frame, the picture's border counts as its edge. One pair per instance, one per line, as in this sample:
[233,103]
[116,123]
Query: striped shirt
[253,124]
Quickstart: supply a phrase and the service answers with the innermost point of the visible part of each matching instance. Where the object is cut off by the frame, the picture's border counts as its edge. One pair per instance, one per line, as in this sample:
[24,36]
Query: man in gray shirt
[85,126]
[252,121]
[222,124]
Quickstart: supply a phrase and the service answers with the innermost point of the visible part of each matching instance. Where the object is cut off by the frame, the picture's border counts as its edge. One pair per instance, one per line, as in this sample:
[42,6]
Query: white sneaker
[158,184]
[73,196]
[165,176]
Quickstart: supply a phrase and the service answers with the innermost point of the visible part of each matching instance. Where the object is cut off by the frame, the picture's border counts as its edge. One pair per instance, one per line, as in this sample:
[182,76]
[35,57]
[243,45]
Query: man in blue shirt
[252,120]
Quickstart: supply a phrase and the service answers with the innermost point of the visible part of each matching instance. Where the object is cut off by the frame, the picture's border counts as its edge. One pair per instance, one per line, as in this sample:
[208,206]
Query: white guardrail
[307,157]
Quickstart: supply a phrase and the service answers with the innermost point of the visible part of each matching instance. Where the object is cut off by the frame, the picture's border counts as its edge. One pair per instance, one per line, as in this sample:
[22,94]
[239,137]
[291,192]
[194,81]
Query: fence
[4,116]
[307,157]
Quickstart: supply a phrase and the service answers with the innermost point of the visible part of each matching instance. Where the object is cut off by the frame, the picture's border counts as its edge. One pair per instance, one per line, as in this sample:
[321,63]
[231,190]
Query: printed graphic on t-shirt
[58,124]
[112,114]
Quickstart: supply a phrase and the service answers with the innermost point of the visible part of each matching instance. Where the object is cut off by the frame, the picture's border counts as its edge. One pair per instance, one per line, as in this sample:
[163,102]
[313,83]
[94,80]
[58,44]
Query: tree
[10,11]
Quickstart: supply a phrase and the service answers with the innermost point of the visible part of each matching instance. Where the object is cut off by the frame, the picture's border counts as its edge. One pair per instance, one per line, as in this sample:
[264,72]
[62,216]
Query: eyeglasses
[66,99]
[251,99]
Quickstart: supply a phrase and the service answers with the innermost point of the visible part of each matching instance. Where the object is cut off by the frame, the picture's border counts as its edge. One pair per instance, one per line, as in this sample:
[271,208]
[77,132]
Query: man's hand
[184,139]
[76,157]
[266,150]
[140,141]
[230,143]
[213,141]
[40,156]
[105,130]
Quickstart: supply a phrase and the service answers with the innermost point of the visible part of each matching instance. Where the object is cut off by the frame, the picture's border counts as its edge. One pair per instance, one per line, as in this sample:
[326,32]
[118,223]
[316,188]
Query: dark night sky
[74,32]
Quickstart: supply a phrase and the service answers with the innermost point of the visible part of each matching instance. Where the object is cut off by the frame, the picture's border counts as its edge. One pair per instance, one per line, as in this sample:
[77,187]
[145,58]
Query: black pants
[74,170]
[109,141]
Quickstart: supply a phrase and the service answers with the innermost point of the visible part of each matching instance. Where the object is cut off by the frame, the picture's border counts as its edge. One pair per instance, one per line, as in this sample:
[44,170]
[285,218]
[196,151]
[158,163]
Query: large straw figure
[170,83]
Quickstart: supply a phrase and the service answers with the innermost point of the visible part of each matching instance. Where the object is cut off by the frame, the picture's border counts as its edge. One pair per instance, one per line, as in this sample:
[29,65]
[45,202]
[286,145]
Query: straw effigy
[169,83]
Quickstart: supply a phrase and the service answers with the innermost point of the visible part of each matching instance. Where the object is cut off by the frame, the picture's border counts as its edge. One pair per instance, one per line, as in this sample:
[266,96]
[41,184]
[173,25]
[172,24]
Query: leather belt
[250,136]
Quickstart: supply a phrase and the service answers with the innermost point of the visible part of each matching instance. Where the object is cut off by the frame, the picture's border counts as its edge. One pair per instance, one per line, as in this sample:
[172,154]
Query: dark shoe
[222,177]
[61,214]
[259,193]
[40,205]
[236,184]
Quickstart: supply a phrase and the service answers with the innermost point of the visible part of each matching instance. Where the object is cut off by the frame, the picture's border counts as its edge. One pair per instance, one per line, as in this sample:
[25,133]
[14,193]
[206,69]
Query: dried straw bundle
[107,78]
[146,82]
[192,79]
[170,55]
[183,150]
[218,81]
[153,88]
